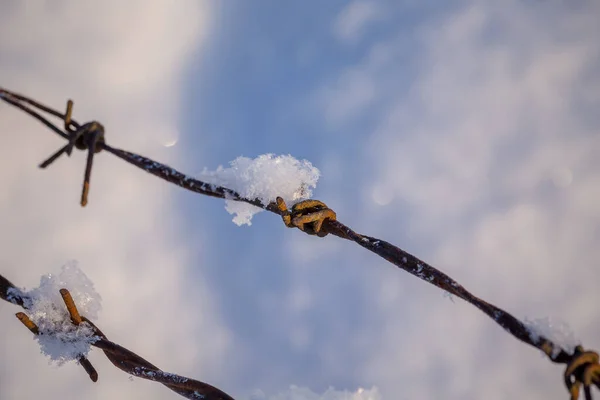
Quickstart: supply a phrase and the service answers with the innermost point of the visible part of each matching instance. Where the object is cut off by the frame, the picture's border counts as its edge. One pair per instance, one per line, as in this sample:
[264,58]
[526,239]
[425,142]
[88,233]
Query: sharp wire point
[54,157]
[89,368]
[71,307]
[28,322]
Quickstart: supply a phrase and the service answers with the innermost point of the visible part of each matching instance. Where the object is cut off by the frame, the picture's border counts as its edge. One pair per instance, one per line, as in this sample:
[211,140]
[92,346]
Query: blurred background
[466,132]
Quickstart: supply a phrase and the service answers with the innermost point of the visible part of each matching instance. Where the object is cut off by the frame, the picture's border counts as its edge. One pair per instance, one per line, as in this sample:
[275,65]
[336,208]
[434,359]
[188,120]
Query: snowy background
[467,132]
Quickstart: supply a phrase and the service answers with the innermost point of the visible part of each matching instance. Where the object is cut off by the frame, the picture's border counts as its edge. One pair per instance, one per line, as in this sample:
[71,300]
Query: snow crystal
[556,331]
[59,339]
[263,178]
[301,393]
[449,296]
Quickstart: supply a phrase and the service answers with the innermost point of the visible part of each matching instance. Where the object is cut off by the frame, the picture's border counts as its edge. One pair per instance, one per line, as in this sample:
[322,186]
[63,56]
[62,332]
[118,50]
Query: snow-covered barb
[557,332]
[59,338]
[263,178]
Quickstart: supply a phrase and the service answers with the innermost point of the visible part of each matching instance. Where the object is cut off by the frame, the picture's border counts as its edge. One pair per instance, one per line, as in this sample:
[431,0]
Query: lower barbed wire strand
[126,360]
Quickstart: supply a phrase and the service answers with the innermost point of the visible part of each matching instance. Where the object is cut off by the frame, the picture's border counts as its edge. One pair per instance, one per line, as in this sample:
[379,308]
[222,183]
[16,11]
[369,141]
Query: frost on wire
[59,338]
[263,178]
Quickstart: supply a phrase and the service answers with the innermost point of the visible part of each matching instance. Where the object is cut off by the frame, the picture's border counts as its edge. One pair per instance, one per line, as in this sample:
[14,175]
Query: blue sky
[465,133]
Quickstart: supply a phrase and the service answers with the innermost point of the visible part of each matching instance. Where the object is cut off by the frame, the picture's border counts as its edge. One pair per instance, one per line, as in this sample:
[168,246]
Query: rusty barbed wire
[119,356]
[315,218]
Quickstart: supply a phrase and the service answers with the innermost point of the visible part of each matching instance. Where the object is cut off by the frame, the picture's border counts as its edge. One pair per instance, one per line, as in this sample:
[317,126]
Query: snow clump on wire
[263,178]
[58,337]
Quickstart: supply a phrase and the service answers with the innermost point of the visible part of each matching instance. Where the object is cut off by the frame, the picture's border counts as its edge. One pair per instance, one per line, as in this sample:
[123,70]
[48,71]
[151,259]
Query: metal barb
[582,370]
[68,116]
[29,324]
[33,328]
[307,215]
[88,368]
[71,307]
[87,137]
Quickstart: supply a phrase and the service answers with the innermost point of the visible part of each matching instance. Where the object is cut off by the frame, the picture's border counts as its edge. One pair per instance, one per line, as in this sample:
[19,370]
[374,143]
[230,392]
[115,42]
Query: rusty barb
[582,370]
[307,215]
[75,318]
[89,136]
[314,218]
[121,358]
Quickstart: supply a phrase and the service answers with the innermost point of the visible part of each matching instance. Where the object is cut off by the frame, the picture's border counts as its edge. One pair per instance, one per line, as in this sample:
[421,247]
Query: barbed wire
[315,218]
[119,356]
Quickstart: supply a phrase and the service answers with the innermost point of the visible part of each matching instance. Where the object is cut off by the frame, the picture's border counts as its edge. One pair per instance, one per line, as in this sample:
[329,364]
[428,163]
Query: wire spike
[71,307]
[28,323]
[89,368]
[54,156]
[88,168]
[68,115]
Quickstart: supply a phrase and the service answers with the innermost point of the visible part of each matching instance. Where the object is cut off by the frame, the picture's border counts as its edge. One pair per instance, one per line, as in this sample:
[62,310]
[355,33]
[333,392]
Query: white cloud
[122,64]
[355,18]
[501,105]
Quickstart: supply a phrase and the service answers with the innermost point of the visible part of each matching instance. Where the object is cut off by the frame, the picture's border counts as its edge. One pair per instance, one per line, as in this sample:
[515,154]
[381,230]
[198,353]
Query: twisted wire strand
[393,254]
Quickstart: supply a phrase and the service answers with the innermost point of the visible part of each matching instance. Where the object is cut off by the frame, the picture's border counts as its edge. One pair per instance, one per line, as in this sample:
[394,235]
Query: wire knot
[583,369]
[307,215]
[90,135]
